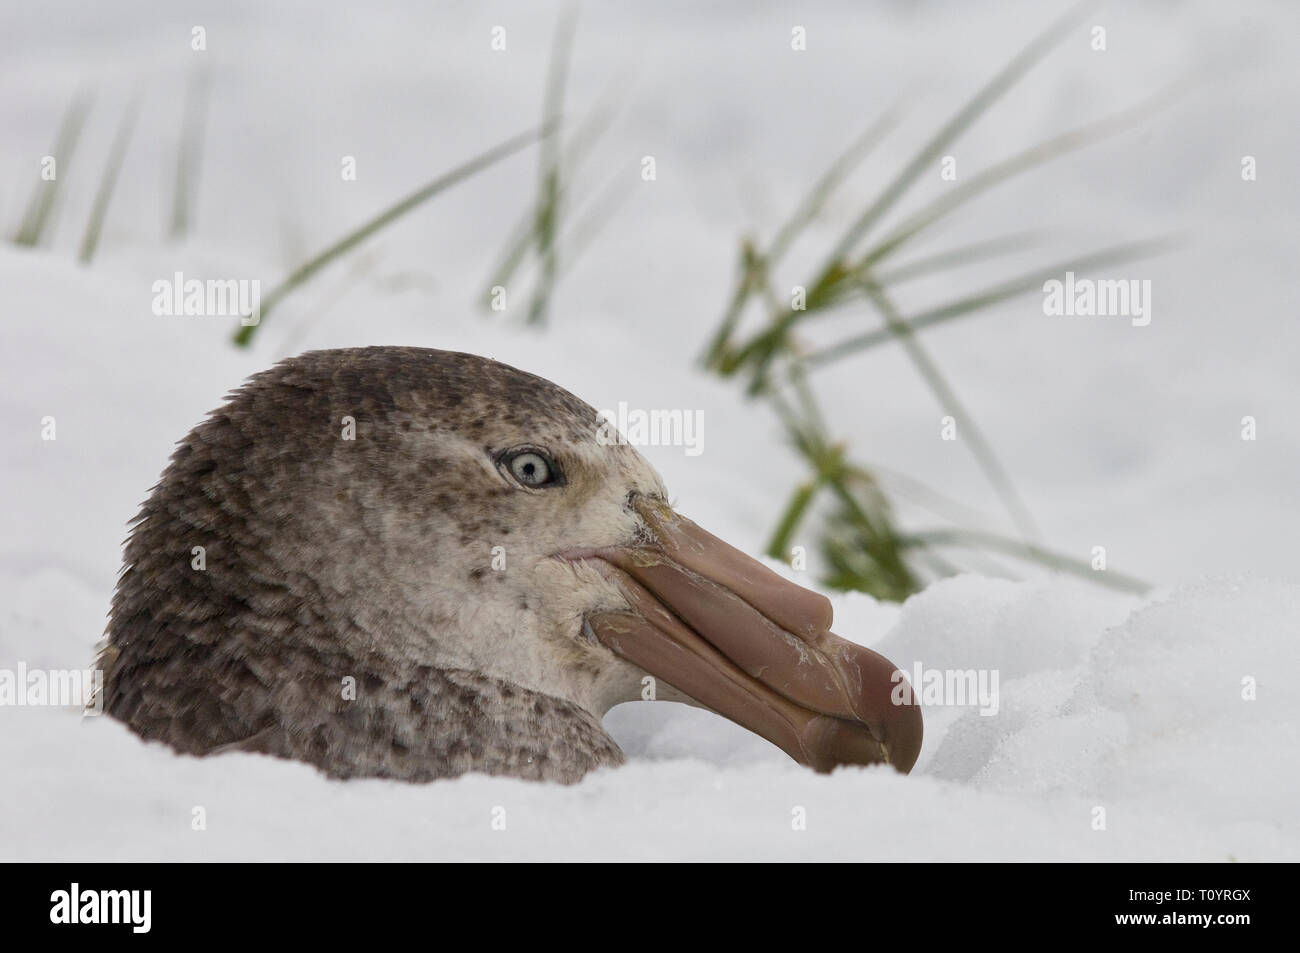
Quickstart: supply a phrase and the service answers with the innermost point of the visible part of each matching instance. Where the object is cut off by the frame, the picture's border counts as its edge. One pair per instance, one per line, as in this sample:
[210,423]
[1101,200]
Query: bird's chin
[726,631]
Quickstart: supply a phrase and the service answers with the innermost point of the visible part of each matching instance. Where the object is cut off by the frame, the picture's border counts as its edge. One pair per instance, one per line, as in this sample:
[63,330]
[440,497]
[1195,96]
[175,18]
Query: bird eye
[531,467]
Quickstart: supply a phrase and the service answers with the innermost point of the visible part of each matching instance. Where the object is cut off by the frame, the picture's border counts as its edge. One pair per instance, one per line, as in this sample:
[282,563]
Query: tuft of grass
[107,182]
[538,235]
[308,269]
[755,265]
[189,152]
[548,152]
[861,540]
[38,221]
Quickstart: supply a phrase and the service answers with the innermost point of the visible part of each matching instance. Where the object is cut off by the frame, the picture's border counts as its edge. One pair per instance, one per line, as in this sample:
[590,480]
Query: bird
[408,563]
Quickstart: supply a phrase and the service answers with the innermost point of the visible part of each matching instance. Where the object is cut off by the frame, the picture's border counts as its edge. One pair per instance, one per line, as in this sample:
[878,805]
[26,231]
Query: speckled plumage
[370,559]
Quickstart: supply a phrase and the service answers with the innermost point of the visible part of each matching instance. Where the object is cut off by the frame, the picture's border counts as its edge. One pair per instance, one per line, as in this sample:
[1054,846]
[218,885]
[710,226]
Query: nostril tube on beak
[798,610]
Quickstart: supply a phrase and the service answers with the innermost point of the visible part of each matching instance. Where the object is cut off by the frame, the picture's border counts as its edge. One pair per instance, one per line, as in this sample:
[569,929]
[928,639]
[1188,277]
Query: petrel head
[413,563]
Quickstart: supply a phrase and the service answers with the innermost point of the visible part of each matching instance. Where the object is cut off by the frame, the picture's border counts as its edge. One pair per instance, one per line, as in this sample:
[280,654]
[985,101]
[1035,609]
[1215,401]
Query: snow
[1175,713]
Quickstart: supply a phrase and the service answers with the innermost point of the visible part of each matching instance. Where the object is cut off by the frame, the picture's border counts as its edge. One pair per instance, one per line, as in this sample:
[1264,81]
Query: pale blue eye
[530,469]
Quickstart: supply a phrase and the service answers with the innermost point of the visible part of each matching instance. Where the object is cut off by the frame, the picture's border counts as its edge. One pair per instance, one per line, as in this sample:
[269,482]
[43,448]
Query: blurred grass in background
[841,505]
[860,538]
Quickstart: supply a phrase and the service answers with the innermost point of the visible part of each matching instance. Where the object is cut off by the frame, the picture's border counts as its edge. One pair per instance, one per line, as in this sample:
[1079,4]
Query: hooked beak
[734,636]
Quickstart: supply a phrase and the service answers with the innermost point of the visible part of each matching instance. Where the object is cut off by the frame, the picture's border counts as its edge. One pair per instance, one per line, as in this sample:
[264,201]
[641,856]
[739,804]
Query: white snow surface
[1117,436]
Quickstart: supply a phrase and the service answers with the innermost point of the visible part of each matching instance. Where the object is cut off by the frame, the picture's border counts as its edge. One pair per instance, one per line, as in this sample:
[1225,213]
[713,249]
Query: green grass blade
[860,534]
[924,159]
[755,266]
[778,547]
[982,300]
[921,495]
[718,355]
[547,220]
[39,218]
[830,180]
[596,214]
[107,183]
[304,272]
[959,257]
[1028,552]
[1009,168]
[982,449]
[189,153]
[521,239]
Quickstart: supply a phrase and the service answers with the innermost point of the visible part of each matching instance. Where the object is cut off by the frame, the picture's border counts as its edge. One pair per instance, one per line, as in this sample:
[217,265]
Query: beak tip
[904,733]
[739,638]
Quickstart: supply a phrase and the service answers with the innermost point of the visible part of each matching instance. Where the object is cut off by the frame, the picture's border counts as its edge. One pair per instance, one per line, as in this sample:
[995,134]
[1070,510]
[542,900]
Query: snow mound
[1133,708]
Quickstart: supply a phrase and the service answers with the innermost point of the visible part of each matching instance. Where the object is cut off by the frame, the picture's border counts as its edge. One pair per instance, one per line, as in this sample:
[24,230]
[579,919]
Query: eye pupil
[532,468]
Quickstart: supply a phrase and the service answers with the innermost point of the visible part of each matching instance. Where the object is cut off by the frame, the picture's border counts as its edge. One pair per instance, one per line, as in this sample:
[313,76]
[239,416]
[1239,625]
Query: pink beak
[725,630]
